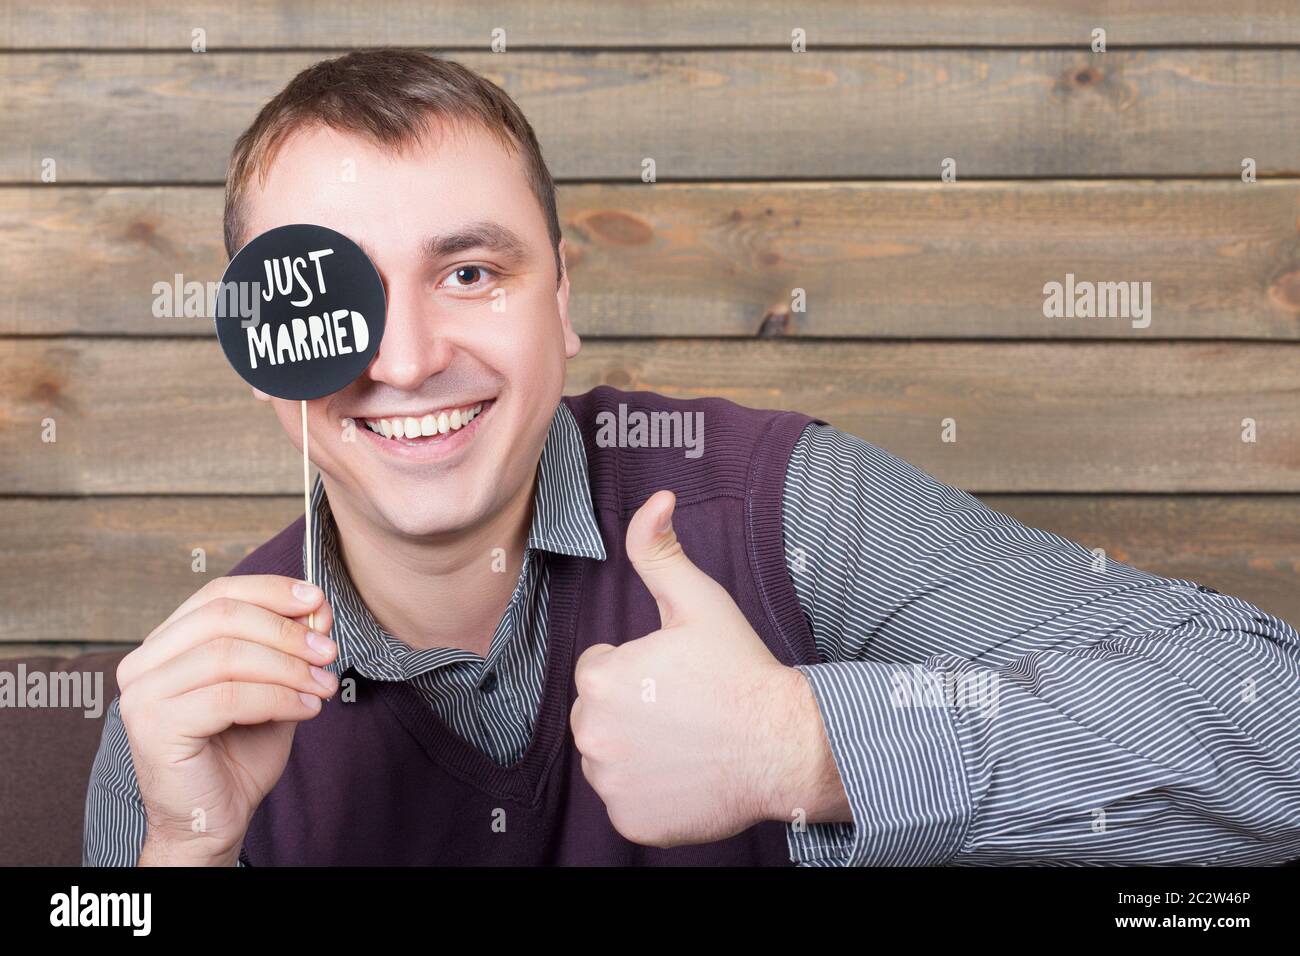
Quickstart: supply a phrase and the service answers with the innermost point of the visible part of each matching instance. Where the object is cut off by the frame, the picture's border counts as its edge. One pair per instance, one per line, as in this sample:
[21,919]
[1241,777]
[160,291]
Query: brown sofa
[45,759]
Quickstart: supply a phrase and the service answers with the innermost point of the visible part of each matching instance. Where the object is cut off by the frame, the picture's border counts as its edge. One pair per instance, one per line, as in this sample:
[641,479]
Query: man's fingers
[321,620]
[679,588]
[275,592]
[226,617]
[229,659]
[210,710]
[586,661]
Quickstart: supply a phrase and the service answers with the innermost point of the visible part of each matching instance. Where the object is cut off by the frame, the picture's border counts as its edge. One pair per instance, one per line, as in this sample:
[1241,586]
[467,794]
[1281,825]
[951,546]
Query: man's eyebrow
[483,234]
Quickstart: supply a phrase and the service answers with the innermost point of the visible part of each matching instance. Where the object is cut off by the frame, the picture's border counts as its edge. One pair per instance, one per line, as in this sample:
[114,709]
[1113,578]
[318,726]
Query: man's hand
[210,701]
[696,732]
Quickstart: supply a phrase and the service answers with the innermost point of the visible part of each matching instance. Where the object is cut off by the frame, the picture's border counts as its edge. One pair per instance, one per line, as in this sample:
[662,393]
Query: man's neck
[436,592]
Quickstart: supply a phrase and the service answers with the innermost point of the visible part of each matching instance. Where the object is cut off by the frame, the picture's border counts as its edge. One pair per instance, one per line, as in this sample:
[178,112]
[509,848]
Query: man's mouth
[428,427]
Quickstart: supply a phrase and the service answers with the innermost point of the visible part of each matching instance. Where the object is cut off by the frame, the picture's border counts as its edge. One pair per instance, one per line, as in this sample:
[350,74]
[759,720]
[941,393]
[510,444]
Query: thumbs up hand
[695,731]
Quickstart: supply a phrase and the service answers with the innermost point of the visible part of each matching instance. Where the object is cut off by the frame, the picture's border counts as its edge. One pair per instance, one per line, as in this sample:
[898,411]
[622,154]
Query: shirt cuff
[899,758]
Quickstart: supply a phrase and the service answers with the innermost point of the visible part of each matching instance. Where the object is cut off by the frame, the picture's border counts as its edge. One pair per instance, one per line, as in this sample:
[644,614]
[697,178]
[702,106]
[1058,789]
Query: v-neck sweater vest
[383,780]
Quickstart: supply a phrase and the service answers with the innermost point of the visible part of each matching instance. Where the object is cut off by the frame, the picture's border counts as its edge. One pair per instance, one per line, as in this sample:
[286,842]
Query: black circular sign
[300,311]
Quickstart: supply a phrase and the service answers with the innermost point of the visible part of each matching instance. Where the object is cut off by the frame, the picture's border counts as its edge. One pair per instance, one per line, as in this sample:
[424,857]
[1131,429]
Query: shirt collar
[564,522]
[563,519]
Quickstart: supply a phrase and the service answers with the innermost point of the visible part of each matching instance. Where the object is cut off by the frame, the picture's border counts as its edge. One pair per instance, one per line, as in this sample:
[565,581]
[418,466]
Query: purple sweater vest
[382,780]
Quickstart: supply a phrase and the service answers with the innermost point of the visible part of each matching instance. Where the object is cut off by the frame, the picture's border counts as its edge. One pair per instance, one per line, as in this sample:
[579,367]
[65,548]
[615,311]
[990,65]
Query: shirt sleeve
[115,819]
[997,694]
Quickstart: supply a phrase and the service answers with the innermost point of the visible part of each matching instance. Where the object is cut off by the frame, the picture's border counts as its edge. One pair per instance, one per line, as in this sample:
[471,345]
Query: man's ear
[260,395]
[571,341]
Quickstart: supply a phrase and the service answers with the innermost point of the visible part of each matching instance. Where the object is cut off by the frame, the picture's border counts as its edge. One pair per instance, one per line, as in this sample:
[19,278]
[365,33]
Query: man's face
[475,321]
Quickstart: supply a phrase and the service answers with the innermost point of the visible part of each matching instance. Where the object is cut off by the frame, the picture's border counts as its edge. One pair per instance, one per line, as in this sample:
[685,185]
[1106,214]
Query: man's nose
[414,345]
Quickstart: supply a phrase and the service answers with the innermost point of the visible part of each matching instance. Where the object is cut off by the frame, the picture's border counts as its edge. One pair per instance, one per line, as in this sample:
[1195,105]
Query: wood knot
[146,234]
[46,393]
[141,231]
[619,228]
[1285,290]
[776,323]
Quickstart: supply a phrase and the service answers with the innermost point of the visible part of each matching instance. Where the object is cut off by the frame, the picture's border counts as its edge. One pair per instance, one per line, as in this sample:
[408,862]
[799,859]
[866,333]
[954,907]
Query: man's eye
[467,277]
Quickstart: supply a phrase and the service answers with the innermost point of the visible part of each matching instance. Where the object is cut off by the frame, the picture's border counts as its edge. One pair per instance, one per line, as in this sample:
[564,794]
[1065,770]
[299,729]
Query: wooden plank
[109,569]
[162,117]
[31,649]
[909,260]
[168,24]
[112,569]
[1246,546]
[85,260]
[162,416]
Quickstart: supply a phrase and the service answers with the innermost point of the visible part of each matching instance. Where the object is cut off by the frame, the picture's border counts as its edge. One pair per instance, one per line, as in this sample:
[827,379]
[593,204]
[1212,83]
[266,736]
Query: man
[541,640]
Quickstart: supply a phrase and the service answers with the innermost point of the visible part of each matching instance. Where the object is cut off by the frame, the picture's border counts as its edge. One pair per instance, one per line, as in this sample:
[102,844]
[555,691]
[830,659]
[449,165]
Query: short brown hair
[392,97]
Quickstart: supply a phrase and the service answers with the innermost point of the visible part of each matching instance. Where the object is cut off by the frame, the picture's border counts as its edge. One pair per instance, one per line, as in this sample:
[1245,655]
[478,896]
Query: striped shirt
[992,693]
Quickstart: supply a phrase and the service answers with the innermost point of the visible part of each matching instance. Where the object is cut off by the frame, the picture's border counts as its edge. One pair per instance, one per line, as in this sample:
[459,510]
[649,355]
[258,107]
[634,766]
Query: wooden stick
[306,509]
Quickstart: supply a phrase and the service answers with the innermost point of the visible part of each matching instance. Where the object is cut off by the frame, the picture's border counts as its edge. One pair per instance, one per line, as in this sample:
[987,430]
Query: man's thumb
[676,584]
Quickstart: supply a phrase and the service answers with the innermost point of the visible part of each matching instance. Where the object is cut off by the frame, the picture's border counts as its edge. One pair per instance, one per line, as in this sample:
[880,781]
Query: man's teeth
[439,424]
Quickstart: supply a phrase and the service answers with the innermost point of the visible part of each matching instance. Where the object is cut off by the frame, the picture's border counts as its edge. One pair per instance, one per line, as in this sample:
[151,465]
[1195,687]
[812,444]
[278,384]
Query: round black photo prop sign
[300,311]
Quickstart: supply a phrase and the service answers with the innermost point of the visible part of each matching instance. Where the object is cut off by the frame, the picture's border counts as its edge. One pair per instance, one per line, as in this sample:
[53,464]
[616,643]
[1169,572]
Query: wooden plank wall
[776,170]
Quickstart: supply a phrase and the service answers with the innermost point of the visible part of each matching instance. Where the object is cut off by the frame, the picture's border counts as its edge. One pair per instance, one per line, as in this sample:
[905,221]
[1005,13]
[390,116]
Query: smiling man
[544,639]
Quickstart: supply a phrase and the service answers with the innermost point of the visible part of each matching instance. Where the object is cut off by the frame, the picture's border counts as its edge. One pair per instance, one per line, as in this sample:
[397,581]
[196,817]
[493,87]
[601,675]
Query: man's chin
[423,522]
